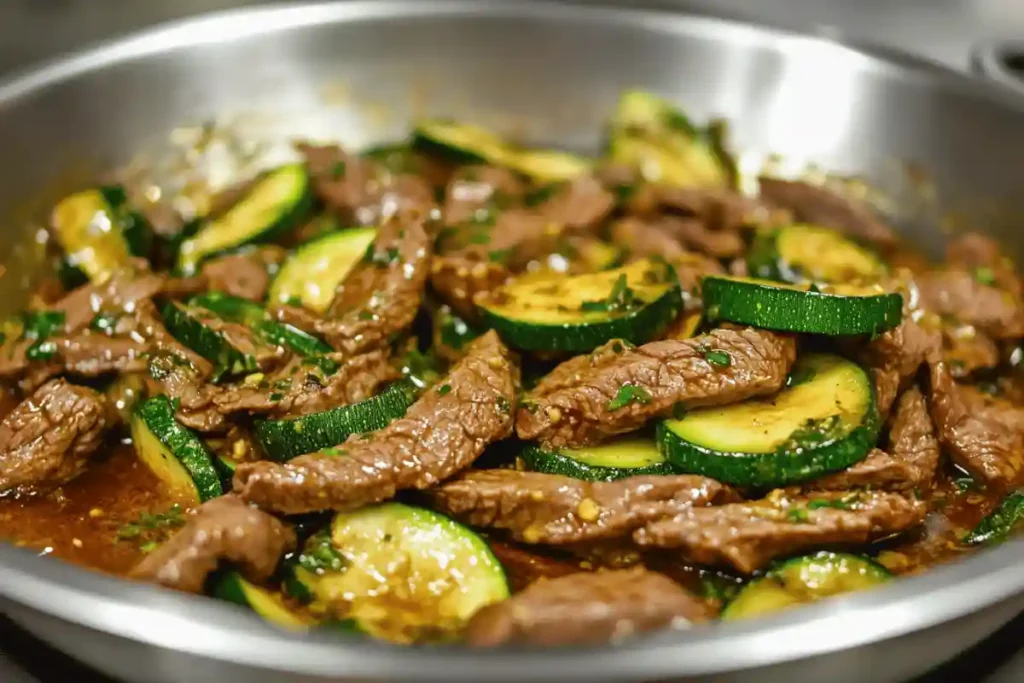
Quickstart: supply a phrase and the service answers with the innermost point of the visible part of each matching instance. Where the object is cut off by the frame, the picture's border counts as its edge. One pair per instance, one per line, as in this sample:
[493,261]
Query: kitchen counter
[942,30]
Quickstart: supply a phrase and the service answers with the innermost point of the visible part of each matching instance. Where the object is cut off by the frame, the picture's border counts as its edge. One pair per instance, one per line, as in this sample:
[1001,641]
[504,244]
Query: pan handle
[1001,61]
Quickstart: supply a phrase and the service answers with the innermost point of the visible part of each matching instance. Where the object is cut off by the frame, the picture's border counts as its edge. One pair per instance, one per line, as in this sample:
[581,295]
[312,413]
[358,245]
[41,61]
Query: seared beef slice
[226,529]
[548,508]
[47,439]
[621,393]
[586,609]
[442,433]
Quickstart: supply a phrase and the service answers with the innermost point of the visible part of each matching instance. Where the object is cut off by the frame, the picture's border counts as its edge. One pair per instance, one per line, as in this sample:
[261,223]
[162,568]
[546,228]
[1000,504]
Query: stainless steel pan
[551,72]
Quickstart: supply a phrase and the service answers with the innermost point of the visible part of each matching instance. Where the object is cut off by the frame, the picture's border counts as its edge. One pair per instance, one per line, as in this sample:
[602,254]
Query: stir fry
[456,390]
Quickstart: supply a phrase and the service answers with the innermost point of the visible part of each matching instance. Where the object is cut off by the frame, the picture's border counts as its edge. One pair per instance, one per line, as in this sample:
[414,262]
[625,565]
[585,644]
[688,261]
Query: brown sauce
[81,521]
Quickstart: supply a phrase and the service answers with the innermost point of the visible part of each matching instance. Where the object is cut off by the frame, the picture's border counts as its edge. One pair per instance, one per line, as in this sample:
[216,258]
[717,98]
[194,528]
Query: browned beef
[986,258]
[579,204]
[91,354]
[966,350]
[959,295]
[621,394]
[983,434]
[245,274]
[749,535]
[523,566]
[118,294]
[587,608]
[551,509]
[300,388]
[48,438]
[381,296]
[241,337]
[459,278]
[910,461]
[361,192]
[179,379]
[717,209]
[474,192]
[223,529]
[694,234]
[823,206]
[645,238]
[148,323]
[895,356]
[444,432]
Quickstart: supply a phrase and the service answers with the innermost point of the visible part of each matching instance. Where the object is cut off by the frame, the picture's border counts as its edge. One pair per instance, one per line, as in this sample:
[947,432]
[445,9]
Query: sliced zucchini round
[655,137]
[624,457]
[805,579]
[186,324]
[460,142]
[173,452]
[276,203]
[825,420]
[547,165]
[267,604]
[310,276]
[98,232]
[578,314]
[801,253]
[409,574]
[833,310]
[238,310]
[285,439]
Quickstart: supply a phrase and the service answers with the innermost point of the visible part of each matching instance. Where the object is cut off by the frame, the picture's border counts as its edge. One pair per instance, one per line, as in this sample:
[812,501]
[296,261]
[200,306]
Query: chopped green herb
[718,587]
[540,195]
[455,332]
[480,237]
[500,255]
[276,396]
[843,503]
[104,322]
[152,527]
[621,298]
[504,406]
[338,170]
[333,451]
[798,515]
[716,357]
[365,315]
[984,275]
[627,394]
[41,350]
[624,192]
[423,370]
[385,257]
[320,556]
[325,365]
[444,389]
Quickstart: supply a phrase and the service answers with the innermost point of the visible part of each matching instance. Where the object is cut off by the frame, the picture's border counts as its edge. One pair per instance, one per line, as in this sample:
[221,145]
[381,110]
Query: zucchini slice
[285,439]
[267,604]
[656,138]
[465,143]
[98,232]
[310,276]
[825,420]
[409,574]
[578,314]
[833,310]
[277,202]
[188,324]
[997,526]
[625,457]
[805,579]
[238,310]
[173,452]
[801,253]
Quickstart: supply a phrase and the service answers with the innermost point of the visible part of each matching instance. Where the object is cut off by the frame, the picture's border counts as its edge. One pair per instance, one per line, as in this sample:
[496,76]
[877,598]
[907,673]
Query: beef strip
[645,238]
[241,337]
[300,388]
[694,234]
[245,274]
[222,529]
[895,356]
[180,380]
[381,296]
[91,354]
[985,257]
[587,608]
[579,204]
[48,438]
[474,191]
[823,206]
[622,393]
[359,191]
[983,434]
[458,279]
[967,351]
[909,463]
[523,566]
[958,294]
[442,433]
[749,535]
[718,209]
[547,508]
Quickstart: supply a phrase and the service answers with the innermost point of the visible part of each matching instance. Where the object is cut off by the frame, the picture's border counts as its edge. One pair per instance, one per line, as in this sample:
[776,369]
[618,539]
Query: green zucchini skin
[583,332]
[186,328]
[801,253]
[311,275]
[280,200]
[238,310]
[174,452]
[798,457]
[805,579]
[764,304]
[285,439]
[233,588]
[997,526]
[630,457]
